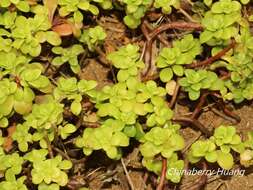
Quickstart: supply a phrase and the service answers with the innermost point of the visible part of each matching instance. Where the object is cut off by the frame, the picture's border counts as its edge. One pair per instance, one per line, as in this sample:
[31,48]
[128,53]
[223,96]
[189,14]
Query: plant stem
[198,108]
[163,175]
[49,147]
[195,123]
[127,175]
[174,97]
[214,58]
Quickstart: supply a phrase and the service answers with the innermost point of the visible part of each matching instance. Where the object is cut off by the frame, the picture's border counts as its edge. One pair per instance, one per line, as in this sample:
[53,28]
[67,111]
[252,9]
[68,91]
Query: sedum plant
[108,137]
[239,64]
[11,165]
[22,136]
[69,55]
[171,60]
[129,63]
[166,5]
[17,184]
[48,171]
[165,141]
[130,98]
[93,37]
[70,89]
[70,6]
[28,75]
[31,76]
[135,10]
[66,130]
[220,22]
[21,5]
[127,101]
[194,81]
[13,99]
[27,34]
[44,118]
[217,148]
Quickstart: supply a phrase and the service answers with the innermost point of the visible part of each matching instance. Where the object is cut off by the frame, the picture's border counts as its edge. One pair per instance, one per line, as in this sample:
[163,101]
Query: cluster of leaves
[93,37]
[48,171]
[217,148]
[221,22]
[74,6]
[13,99]
[135,10]
[109,137]
[165,141]
[70,89]
[195,81]
[27,34]
[171,60]
[21,5]
[239,64]
[128,109]
[166,5]
[129,63]
[69,55]
[130,98]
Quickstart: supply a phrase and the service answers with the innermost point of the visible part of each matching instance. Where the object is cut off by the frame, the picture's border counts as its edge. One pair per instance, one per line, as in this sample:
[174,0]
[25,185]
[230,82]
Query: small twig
[224,116]
[144,181]
[160,37]
[231,114]
[127,175]
[91,124]
[201,102]
[195,123]
[163,175]
[214,58]
[226,111]
[187,15]
[175,94]
[63,154]
[175,25]
[49,147]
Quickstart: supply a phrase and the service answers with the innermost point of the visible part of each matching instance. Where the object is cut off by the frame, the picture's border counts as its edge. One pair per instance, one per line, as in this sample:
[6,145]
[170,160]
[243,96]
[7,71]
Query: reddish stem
[163,175]
[198,108]
[214,58]
[194,123]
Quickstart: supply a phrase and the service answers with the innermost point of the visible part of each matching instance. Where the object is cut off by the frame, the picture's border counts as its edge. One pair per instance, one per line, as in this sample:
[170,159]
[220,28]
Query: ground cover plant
[91,89]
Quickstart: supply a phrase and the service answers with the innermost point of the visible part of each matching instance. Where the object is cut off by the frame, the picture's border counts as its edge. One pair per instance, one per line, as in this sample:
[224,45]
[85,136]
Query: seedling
[165,141]
[194,81]
[69,55]
[220,22]
[171,60]
[217,148]
[93,37]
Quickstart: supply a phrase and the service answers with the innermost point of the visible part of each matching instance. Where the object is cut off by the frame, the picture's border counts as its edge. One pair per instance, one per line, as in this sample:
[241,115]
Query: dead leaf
[32,2]
[170,87]
[8,143]
[64,29]
[51,6]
